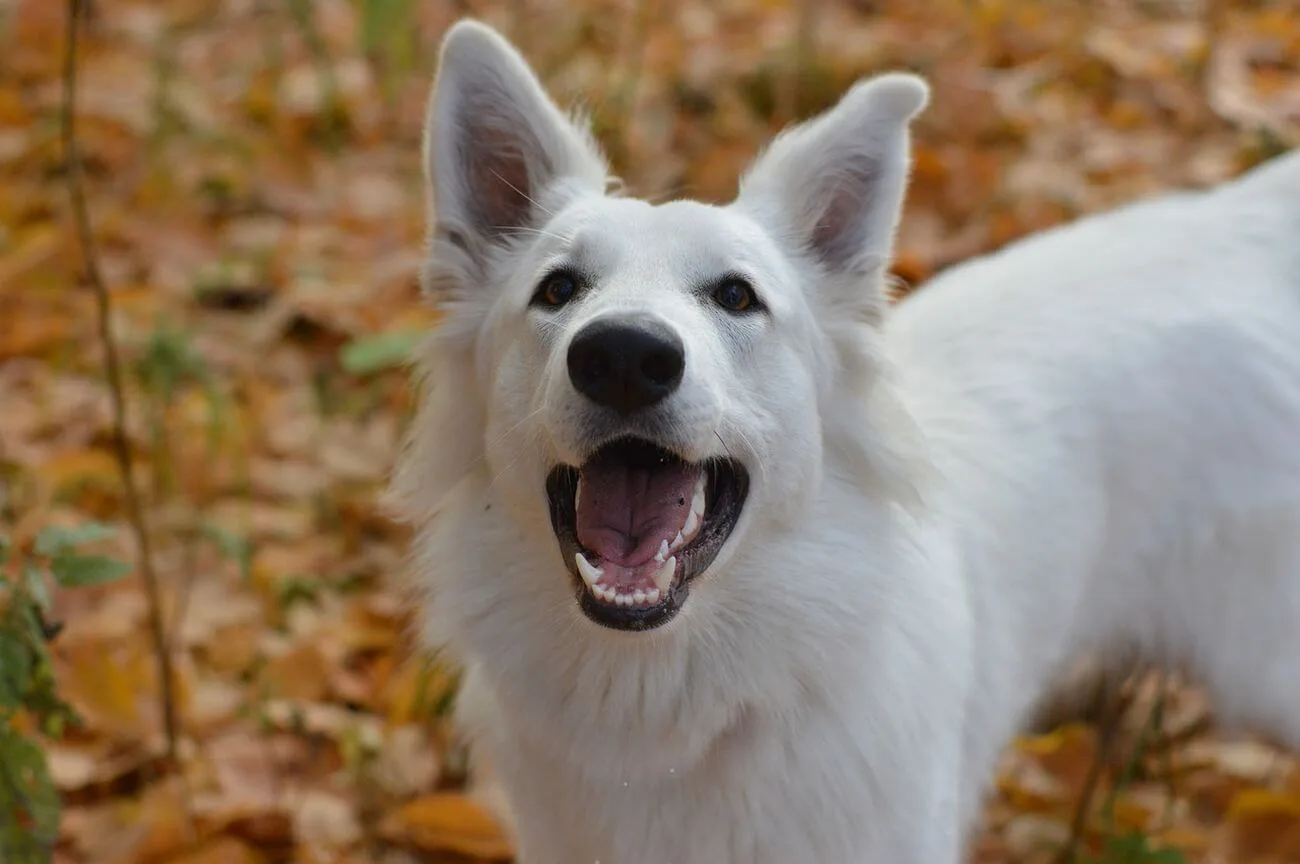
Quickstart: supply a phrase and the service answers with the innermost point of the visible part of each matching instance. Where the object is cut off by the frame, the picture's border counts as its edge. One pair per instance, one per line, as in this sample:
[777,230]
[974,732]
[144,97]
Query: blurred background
[252,175]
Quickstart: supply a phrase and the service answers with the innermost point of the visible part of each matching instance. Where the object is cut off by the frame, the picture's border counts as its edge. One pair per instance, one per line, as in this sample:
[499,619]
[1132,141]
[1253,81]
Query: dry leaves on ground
[253,178]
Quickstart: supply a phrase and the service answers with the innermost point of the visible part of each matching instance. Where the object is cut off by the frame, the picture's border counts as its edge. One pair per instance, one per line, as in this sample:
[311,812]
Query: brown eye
[735,295]
[556,289]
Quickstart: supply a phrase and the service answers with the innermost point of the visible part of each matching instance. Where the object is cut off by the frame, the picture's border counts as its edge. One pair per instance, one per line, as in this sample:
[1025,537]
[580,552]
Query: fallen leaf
[447,823]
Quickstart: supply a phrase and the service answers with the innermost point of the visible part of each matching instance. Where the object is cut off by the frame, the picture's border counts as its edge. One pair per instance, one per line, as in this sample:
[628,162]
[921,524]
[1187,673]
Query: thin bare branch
[1107,735]
[113,373]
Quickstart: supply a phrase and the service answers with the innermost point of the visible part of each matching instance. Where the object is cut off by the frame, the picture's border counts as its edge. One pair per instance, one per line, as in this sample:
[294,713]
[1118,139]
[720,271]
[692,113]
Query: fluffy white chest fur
[905,521]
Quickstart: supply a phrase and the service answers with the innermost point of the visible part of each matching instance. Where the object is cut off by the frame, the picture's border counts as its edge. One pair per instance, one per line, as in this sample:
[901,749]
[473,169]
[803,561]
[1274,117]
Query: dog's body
[1089,442]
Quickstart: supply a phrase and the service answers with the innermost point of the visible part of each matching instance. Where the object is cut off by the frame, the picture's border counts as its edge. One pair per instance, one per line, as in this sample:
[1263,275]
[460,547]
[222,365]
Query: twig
[1107,735]
[113,372]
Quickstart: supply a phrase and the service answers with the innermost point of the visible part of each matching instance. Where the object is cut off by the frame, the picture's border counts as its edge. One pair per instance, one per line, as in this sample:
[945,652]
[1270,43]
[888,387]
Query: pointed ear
[833,186]
[499,155]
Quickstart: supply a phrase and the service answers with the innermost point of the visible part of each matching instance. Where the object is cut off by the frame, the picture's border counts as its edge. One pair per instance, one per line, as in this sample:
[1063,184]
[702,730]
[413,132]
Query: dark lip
[726,491]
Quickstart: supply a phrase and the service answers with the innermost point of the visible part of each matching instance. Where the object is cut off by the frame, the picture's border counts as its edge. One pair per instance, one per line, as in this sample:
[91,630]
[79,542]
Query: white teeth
[692,525]
[693,520]
[664,576]
[627,596]
[590,574]
[697,501]
[663,550]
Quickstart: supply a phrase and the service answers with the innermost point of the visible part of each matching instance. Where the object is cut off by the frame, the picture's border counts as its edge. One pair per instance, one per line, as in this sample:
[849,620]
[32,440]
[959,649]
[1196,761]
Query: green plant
[1133,847]
[378,353]
[29,699]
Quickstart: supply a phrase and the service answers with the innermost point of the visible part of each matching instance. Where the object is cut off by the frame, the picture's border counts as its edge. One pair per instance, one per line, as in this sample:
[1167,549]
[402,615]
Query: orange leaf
[223,850]
[448,822]
[1263,822]
[300,673]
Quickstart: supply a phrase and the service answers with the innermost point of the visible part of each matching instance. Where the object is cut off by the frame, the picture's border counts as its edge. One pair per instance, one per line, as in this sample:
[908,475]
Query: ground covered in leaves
[254,185]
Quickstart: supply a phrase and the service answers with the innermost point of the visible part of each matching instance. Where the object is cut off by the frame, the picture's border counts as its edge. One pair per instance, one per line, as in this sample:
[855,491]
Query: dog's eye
[556,289]
[735,295]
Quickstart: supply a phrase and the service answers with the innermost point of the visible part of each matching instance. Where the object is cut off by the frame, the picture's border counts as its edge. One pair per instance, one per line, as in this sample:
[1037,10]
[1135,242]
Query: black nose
[626,363]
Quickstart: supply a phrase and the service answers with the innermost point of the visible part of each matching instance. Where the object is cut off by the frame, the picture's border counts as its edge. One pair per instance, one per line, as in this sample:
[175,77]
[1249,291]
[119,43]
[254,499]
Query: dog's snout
[626,364]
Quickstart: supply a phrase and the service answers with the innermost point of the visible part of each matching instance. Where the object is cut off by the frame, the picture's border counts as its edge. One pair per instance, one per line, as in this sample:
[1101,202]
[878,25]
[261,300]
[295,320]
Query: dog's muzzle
[635,521]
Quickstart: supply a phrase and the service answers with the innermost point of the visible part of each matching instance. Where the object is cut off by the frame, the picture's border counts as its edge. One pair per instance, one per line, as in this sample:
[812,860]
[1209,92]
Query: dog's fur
[1089,442]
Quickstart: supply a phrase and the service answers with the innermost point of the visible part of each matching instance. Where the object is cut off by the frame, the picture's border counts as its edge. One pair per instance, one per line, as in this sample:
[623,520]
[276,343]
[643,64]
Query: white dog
[745,566]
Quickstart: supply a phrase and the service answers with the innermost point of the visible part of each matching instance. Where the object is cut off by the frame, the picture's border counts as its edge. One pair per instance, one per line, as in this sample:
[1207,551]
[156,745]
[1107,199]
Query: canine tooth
[678,542]
[639,597]
[697,501]
[664,575]
[663,550]
[590,573]
[652,597]
[692,525]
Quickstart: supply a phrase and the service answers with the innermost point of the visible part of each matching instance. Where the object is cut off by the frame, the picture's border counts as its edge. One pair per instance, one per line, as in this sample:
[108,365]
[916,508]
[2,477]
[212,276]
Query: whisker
[522,193]
[524,229]
[718,435]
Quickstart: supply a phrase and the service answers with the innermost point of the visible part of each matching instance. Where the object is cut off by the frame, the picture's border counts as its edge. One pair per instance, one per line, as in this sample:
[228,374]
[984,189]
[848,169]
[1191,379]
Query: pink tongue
[625,512]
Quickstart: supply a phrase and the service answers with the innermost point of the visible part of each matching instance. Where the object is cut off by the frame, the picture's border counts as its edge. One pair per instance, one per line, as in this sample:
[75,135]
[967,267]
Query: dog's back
[1115,408]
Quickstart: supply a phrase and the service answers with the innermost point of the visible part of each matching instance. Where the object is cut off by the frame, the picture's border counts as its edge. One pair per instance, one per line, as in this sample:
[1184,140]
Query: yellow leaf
[448,822]
[1251,803]
[79,469]
[1186,837]
[416,689]
[31,249]
[1263,822]
[114,686]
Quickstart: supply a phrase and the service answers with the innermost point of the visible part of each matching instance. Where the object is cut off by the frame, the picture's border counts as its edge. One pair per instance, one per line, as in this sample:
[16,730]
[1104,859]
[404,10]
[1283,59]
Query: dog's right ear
[499,155]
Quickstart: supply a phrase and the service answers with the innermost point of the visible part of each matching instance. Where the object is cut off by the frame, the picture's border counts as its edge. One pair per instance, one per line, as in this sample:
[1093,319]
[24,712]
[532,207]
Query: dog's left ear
[499,155]
[833,187]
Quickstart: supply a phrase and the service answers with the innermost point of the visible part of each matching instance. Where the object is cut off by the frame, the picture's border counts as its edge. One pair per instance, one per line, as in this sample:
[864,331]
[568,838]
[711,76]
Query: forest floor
[254,186]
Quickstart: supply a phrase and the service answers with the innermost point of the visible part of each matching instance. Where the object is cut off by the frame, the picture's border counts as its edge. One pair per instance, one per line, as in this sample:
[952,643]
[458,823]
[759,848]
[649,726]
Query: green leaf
[1134,848]
[231,546]
[5,545]
[54,539]
[377,353]
[80,570]
[15,665]
[29,829]
[36,587]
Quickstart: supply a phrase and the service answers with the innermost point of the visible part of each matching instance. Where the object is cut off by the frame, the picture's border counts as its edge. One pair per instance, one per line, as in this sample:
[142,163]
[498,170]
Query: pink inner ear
[841,231]
[498,177]
[835,238]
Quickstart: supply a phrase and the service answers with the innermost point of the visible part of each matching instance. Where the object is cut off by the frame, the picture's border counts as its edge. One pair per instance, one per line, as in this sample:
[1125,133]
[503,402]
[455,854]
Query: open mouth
[636,524]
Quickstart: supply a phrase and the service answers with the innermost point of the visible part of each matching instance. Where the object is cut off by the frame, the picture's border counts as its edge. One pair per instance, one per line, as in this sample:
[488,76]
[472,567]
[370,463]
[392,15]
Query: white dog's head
[647,388]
